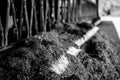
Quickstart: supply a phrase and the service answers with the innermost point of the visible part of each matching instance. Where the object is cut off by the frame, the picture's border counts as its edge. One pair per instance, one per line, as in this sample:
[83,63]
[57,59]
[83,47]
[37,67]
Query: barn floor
[108,28]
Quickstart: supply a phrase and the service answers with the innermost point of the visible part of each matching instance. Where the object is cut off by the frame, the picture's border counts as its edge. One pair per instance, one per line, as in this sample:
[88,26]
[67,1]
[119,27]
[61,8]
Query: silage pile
[44,57]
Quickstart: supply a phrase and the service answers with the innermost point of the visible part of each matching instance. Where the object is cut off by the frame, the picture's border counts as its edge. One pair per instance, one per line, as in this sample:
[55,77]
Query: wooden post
[53,7]
[65,10]
[7,21]
[67,13]
[46,15]
[42,15]
[56,8]
[36,21]
[59,11]
[21,19]
[97,10]
[2,33]
[80,8]
[50,14]
[73,12]
[31,17]
[14,18]
[26,18]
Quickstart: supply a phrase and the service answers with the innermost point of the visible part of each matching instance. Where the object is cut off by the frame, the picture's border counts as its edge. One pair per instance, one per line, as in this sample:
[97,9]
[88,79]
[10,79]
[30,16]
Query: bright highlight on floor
[115,20]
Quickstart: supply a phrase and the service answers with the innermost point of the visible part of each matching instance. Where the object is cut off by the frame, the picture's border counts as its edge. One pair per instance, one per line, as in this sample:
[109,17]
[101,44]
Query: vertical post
[48,17]
[46,8]
[62,10]
[69,11]
[31,17]
[53,10]
[65,9]
[50,14]
[50,2]
[76,9]
[42,14]
[56,8]
[36,21]
[2,33]
[21,19]
[14,18]
[97,10]
[73,12]
[59,11]
[80,10]
[45,15]
[7,21]
[26,18]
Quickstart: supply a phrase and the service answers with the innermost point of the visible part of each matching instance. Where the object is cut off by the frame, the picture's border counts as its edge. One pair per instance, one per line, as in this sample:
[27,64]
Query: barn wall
[106,5]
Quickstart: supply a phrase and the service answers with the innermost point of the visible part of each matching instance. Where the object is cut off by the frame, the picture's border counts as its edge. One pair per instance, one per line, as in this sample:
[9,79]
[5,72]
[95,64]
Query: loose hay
[45,57]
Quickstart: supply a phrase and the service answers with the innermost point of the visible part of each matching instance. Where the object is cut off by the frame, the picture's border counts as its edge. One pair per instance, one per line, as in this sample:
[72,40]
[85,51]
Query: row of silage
[45,57]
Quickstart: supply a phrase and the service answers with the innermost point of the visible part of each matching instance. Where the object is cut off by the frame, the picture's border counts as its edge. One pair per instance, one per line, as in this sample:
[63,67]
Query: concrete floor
[115,20]
[108,28]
